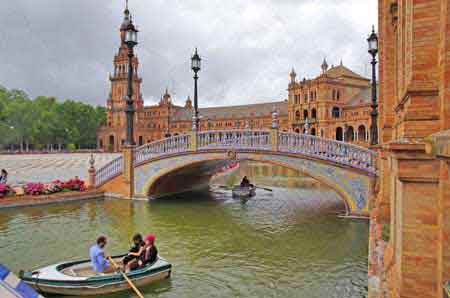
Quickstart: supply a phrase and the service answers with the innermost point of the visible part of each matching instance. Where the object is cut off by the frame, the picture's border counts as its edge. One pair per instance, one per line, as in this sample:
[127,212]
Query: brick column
[194,140]
[274,138]
[128,170]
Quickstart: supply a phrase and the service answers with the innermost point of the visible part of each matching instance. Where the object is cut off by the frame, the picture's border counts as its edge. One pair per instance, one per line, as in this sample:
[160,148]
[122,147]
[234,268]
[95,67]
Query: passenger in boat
[98,260]
[245,182]
[148,256]
[136,250]
[3,177]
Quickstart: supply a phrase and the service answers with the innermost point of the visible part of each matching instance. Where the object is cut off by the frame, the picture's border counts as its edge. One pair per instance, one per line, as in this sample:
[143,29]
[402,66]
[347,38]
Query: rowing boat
[78,279]
[244,192]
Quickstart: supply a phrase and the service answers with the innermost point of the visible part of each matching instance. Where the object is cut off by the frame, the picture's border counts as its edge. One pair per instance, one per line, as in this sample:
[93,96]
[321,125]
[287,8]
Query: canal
[285,243]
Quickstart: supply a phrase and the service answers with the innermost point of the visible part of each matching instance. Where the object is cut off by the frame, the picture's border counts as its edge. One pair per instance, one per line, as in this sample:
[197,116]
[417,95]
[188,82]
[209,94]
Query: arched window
[141,141]
[111,140]
[322,132]
[313,114]
[335,112]
[305,114]
[306,97]
[297,130]
[339,134]
[334,94]
[297,115]
[361,133]
[350,134]
[313,131]
[311,95]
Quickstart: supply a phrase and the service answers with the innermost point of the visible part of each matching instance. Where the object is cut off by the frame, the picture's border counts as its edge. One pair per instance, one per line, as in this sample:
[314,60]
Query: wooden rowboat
[78,279]
[243,192]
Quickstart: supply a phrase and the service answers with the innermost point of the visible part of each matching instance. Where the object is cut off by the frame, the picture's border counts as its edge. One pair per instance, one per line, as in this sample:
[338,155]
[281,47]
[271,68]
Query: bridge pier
[128,170]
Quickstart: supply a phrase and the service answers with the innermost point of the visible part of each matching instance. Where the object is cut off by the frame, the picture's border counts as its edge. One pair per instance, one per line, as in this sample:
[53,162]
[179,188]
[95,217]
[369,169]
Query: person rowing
[98,259]
[245,182]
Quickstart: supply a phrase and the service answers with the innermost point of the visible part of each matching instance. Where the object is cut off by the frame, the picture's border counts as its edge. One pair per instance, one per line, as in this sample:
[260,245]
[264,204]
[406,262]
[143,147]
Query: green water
[275,245]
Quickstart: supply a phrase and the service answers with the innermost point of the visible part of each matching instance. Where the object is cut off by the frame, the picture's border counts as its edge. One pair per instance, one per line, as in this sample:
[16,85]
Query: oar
[268,189]
[126,277]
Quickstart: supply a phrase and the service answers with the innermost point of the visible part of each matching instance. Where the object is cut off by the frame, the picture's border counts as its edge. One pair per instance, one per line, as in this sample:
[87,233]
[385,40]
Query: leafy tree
[46,122]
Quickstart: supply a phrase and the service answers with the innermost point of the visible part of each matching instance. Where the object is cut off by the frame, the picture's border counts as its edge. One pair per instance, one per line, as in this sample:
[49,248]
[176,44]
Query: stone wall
[414,195]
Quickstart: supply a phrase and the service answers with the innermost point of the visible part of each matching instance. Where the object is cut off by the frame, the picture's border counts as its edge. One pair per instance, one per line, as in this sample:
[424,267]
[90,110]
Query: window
[305,114]
[334,94]
[361,133]
[339,134]
[297,115]
[335,112]
[314,114]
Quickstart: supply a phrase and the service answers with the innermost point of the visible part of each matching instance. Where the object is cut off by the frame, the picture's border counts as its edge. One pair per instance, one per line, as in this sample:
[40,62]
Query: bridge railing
[238,139]
[175,144]
[327,149]
[108,171]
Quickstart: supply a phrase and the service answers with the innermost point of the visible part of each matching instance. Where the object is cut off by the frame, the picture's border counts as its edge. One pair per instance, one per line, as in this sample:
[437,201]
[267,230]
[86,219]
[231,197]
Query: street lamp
[196,66]
[373,51]
[131,41]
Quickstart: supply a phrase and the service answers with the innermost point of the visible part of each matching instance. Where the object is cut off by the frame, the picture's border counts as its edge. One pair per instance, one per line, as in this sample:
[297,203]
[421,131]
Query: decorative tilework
[353,186]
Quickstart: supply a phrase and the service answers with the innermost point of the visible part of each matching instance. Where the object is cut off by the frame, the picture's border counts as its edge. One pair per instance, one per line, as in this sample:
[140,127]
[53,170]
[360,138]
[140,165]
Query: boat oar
[268,189]
[126,277]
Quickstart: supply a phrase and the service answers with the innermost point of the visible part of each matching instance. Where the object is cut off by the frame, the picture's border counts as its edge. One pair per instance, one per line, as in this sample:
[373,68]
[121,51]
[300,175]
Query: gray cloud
[65,47]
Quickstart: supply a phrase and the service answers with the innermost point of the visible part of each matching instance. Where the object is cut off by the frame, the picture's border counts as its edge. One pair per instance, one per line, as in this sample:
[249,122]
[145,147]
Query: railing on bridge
[108,171]
[263,140]
[238,139]
[176,144]
[336,151]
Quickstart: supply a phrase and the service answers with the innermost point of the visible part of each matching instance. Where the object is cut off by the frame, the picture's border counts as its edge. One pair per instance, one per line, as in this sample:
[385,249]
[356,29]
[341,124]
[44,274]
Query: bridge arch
[354,188]
[348,169]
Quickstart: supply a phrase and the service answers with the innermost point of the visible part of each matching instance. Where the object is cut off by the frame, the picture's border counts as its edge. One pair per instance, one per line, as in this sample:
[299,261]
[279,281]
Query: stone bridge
[181,162]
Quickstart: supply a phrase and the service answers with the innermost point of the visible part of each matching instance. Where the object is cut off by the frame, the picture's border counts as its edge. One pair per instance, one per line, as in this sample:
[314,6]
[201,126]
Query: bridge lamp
[373,51]
[131,40]
[196,66]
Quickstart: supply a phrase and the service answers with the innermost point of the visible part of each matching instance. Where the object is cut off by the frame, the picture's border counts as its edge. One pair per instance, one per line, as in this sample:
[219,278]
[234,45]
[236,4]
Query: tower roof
[127,18]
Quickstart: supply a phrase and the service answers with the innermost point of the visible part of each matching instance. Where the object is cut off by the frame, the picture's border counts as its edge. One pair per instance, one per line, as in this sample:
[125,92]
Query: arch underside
[185,171]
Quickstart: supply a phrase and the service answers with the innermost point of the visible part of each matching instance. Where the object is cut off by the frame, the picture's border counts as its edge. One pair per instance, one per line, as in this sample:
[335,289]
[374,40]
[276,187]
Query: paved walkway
[48,167]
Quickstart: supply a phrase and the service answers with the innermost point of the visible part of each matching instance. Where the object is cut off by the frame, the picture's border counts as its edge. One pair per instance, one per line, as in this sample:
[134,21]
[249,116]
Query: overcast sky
[65,48]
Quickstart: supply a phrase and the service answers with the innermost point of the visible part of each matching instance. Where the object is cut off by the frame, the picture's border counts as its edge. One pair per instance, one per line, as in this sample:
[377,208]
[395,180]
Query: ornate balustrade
[339,152]
[263,140]
[176,144]
[237,139]
[108,171]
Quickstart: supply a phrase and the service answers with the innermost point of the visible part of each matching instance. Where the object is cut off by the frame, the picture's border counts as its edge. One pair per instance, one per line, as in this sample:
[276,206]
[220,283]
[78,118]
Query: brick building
[336,105]
[409,254]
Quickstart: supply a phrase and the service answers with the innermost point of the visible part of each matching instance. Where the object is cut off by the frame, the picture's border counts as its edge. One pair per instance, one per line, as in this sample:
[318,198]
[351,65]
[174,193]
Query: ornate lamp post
[131,42]
[373,51]
[196,66]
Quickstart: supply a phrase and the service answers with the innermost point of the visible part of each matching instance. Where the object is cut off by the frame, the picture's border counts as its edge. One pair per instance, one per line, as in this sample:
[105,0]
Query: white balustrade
[292,143]
[234,139]
[327,149]
[108,171]
[175,144]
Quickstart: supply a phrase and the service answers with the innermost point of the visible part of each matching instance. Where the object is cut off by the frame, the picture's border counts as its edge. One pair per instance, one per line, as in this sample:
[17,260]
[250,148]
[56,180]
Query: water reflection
[283,243]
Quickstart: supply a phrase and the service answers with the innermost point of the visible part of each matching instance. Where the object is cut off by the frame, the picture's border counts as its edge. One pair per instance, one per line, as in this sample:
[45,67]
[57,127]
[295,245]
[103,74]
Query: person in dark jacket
[3,177]
[135,250]
[148,255]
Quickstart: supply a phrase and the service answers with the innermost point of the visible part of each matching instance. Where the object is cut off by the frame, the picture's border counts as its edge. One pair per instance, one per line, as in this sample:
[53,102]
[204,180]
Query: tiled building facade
[336,104]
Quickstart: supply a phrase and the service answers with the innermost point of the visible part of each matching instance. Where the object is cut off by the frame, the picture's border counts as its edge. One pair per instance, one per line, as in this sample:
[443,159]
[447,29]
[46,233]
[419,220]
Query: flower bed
[37,189]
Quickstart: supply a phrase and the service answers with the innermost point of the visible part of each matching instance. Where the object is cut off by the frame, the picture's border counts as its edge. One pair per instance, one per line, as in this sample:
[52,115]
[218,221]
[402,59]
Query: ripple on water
[272,246]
